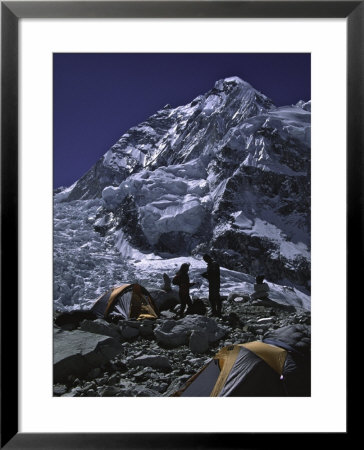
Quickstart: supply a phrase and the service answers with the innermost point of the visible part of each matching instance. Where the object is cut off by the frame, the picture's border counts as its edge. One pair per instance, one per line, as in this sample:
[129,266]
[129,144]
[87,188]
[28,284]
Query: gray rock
[127,388]
[168,315]
[199,342]
[238,297]
[109,391]
[171,333]
[133,323]
[154,361]
[176,385]
[197,361]
[142,391]
[129,332]
[114,378]
[159,387]
[77,352]
[142,374]
[100,326]
[88,386]
[91,393]
[126,385]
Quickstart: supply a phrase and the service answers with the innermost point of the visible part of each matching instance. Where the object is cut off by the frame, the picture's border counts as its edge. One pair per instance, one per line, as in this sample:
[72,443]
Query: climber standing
[213,276]
[182,280]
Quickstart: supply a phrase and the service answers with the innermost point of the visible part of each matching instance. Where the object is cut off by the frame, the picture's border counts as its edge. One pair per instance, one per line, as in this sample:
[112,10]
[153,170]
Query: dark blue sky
[97,97]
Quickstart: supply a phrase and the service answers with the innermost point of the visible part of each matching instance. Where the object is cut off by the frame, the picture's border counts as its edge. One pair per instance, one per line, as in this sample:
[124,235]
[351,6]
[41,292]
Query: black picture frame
[11,12]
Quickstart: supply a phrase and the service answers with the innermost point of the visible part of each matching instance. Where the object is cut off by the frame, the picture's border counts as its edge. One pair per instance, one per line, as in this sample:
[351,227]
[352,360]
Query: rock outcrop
[77,352]
[171,333]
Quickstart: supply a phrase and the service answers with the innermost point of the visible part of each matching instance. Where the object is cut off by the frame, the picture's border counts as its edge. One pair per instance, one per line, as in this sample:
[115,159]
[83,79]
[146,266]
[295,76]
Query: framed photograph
[181,185]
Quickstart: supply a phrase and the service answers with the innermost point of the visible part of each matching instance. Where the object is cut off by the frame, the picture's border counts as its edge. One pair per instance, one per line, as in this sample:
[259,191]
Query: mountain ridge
[228,173]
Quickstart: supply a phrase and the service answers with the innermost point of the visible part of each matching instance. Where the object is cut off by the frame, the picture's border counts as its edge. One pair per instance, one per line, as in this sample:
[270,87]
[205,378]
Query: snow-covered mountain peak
[176,135]
[237,87]
[231,81]
[228,173]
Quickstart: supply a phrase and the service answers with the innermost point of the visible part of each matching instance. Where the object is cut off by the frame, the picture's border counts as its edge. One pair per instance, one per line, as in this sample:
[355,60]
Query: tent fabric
[207,378]
[281,344]
[257,368]
[274,356]
[123,302]
[251,377]
[129,301]
[250,366]
[226,358]
[100,305]
[251,369]
[297,368]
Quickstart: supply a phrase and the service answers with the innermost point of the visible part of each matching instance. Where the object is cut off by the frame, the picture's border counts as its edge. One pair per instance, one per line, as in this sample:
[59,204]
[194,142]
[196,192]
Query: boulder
[130,329]
[100,326]
[129,332]
[199,342]
[72,319]
[77,352]
[154,361]
[171,333]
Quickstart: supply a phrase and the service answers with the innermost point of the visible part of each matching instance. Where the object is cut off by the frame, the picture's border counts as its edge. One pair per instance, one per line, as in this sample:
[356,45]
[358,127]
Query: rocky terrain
[155,358]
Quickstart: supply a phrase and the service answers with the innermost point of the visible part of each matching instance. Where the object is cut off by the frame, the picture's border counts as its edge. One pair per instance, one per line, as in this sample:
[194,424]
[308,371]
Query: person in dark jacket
[213,276]
[182,280]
